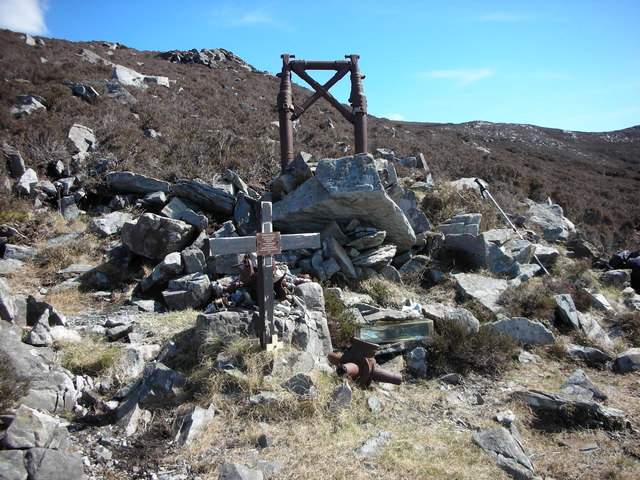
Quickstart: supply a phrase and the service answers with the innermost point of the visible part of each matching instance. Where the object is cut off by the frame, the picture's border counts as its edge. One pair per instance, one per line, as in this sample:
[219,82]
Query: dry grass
[165,326]
[93,356]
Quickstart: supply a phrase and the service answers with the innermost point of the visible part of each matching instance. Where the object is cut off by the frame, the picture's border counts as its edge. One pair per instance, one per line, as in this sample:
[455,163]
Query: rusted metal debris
[359,363]
[288,112]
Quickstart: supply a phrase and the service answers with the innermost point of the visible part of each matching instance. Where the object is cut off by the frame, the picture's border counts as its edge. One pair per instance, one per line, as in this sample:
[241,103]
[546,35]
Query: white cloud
[463,76]
[395,116]
[23,16]
[232,15]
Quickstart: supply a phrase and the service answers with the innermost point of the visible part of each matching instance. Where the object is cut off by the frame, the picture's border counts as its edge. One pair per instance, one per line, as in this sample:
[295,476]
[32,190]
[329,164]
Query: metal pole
[359,105]
[484,190]
[285,111]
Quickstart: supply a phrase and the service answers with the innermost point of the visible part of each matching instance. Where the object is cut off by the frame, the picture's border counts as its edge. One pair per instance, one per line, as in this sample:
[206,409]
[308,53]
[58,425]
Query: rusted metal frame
[320,65]
[318,88]
[319,94]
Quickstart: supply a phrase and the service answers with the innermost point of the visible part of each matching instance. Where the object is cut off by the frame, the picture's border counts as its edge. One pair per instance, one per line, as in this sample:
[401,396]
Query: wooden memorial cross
[265,244]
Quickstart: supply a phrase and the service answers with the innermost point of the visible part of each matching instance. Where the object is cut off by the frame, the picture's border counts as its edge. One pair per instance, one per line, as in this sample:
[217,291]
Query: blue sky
[572,64]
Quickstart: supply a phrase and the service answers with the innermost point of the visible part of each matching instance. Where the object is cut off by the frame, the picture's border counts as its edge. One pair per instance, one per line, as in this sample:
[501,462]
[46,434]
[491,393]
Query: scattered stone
[130,182]
[464,318]
[110,224]
[417,362]
[628,361]
[44,463]
[208,197]
[507,450]
[19,252]
[566,311]
[590,355]
[31,428]
[190,422]
[486,290]
[574,410]
[578,383]
[341,398]
[374,445]
[524,330]
[83,138]
[236,471]
[301,385]
[154,237]
[550,219]
[375,405]
[40,334]
[616,278]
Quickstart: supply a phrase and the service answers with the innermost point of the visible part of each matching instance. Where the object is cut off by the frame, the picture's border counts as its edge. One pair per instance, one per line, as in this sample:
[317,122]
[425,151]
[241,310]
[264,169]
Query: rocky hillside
[128,329]
[215,112]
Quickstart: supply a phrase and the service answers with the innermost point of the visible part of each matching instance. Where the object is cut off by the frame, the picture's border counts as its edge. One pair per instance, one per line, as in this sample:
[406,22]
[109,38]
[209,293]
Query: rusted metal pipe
[359,364]
[358,103]
[285,111]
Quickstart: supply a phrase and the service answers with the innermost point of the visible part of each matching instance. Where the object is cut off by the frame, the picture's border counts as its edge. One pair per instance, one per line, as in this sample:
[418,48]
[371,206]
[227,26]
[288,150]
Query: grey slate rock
[406,200]
[376,257]
[51,387]
[236,471]
[300,384]
[486,290]
[464,318]
[47,464]
[208,197]
[416,362]
[628,361]
[188,423]
[226,325]
[40,334]
[575,410]
[83,138]
[508,451]
[343,190]
[86,92]
[19,252]
[12,465]
[110,224]
[341,397]
[566,311]
[188,291]
[524,330]
[154,237]
[7,306]
[550,219]
[168,268]
[590,355]
[580,379]
[31,428]
[373,445]
[129,182]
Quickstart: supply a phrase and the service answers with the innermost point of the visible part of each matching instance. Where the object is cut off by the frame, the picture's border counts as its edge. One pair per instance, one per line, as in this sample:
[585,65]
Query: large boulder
[208,197]
[343,190]
[484,289]
[507,450]
[312,335]
[129,182]
[523,330]
[51,387]
[110,224]
[153,236]
[550,220]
